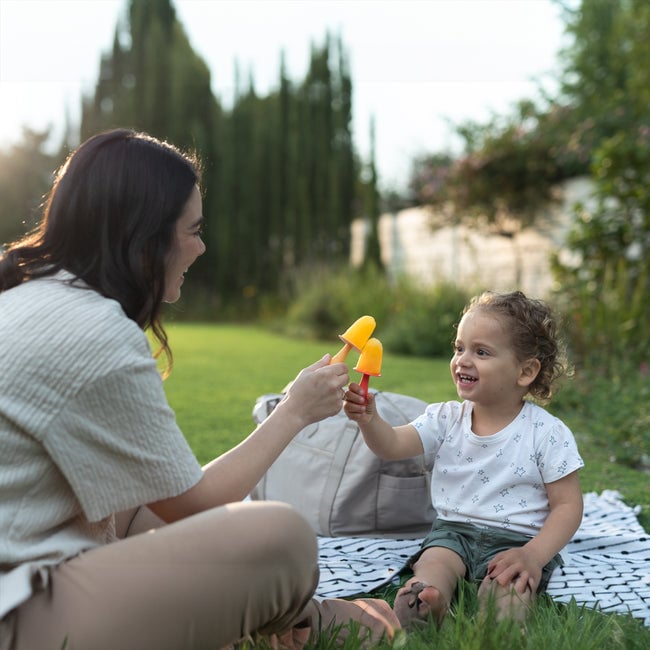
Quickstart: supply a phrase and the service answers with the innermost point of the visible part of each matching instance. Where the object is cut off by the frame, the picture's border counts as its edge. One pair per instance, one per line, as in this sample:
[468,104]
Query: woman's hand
[316,393]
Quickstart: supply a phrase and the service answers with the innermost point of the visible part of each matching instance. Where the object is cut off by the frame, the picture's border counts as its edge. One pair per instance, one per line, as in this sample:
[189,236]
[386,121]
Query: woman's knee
[283,516]
[259,533]
[282,559]
[287,534]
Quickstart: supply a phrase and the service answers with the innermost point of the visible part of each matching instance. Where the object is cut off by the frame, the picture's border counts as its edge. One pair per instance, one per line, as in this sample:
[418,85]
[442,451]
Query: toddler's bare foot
[508,602]
[416,601]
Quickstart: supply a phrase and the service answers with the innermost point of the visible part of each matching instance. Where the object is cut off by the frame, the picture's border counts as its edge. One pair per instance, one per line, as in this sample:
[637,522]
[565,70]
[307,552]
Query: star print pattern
[495,480]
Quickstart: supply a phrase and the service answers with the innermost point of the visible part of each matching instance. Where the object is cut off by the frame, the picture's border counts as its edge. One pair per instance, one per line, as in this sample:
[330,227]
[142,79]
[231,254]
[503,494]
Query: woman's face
[187,246]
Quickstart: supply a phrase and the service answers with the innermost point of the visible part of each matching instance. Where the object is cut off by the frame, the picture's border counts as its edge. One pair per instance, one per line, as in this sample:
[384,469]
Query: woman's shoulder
[77,298]
[70,318]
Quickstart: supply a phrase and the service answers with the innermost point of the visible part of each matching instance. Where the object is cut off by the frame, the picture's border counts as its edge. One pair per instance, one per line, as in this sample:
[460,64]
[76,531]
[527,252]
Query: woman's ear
[529,371]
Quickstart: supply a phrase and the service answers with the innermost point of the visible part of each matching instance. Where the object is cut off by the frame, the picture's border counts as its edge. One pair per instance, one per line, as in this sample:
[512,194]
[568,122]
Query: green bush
[607,318]
[613,408]
[607,327]
[325,300]
[411,320]
[422,321]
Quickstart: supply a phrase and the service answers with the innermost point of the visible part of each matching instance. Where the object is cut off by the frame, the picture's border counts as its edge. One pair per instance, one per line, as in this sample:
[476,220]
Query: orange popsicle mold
[370,360]
[356,336]
[359,332]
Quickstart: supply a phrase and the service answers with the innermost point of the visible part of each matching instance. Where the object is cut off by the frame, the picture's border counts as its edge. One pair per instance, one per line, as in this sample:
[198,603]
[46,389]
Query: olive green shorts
[476,546]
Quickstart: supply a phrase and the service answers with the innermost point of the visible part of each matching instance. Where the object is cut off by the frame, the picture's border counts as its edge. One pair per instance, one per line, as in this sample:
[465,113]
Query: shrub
[607,326]
[612,408]
[421,321]
[410,320]
[607,318]
[326,300]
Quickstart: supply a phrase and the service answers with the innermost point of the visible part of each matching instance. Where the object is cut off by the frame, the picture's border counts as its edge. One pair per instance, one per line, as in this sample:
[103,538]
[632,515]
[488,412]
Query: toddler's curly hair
[534,333]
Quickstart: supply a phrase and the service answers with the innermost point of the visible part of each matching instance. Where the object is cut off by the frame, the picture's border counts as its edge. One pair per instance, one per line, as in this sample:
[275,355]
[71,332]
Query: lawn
[219,371]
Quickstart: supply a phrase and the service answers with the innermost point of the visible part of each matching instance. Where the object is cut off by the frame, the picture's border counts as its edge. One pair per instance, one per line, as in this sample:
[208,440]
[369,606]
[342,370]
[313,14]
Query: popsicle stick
[364,385]
[341,354]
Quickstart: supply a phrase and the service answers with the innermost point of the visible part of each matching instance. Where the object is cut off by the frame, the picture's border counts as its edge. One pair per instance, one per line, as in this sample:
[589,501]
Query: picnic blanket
[607,563]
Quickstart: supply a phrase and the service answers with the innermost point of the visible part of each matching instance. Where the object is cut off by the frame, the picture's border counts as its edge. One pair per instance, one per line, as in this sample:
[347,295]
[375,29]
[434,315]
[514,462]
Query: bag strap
[335,474]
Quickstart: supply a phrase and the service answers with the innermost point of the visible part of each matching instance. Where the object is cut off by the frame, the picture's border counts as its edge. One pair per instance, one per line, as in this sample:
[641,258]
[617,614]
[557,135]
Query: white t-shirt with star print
[497,480]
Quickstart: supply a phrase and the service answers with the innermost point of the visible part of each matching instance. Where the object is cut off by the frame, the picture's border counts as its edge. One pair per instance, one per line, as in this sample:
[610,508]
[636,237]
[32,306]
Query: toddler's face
[484,366]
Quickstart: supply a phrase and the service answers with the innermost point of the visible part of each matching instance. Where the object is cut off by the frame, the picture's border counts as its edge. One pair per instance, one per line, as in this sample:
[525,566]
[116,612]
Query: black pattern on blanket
[607,563]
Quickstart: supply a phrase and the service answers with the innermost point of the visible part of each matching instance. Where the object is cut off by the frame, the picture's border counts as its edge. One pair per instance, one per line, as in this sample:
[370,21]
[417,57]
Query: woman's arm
[315,394]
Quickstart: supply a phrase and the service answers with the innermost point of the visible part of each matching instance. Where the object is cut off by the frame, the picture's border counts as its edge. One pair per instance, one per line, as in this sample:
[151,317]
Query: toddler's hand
[356,406]
[515,566]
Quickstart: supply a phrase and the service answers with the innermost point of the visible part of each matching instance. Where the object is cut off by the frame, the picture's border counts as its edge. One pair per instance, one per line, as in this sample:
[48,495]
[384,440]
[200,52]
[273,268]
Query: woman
[86,432]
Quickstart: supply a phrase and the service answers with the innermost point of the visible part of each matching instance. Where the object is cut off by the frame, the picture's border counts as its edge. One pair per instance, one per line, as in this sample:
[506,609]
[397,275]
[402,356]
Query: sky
[418,67]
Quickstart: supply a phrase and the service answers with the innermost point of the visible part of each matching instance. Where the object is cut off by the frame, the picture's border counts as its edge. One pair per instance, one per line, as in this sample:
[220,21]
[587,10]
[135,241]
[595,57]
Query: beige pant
[201,583]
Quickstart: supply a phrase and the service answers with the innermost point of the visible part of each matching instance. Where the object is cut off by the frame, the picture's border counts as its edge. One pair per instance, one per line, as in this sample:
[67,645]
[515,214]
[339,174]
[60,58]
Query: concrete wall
[412,244]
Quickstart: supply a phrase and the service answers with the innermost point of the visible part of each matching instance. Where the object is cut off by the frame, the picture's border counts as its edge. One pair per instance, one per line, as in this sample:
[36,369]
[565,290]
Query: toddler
[505,479]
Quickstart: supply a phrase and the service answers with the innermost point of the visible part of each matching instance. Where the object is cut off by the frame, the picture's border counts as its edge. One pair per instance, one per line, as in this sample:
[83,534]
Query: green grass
[220,370]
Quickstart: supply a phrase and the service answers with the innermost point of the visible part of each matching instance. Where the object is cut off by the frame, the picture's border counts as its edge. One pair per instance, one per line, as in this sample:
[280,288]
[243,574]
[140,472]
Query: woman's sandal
[416,602]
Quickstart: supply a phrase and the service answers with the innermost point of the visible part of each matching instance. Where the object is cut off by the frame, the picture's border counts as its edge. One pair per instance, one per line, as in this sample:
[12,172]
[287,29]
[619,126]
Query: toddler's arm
[389,443]
[524,565]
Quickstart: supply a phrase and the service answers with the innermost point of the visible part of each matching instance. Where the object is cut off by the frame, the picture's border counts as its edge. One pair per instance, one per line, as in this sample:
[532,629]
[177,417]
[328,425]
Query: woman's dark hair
[534,333]
[109,220]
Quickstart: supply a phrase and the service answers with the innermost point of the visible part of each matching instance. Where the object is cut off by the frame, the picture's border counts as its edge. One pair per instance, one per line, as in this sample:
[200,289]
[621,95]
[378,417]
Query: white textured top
[498,480]
[85,427]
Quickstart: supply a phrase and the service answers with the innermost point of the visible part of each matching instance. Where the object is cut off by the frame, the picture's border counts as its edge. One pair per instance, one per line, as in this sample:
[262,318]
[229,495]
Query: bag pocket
[404,504]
